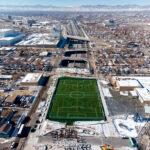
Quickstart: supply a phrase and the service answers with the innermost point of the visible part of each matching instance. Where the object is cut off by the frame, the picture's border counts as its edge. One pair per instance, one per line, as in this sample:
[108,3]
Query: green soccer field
[76,99]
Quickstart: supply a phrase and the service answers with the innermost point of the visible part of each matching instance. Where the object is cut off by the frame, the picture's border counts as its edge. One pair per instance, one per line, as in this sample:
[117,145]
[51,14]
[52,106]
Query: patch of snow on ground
[127,127]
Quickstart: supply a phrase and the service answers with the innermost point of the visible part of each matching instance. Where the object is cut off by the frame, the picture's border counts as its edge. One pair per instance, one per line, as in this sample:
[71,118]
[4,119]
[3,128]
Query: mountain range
[74,8]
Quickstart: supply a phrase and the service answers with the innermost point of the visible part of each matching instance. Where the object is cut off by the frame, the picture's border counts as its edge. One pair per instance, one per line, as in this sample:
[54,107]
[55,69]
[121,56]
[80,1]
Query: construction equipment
[107,147]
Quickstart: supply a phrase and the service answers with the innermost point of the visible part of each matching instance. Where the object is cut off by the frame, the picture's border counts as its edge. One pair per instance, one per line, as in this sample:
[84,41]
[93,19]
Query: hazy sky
[73,2]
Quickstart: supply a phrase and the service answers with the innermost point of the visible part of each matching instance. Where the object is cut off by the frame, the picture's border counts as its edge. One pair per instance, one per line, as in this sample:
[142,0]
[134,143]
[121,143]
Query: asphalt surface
[120,105]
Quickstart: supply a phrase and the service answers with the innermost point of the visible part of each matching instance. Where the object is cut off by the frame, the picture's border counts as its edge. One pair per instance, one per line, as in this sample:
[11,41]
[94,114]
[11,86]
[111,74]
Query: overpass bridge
[79,38]
[76,50]
[68,39]
[72,34]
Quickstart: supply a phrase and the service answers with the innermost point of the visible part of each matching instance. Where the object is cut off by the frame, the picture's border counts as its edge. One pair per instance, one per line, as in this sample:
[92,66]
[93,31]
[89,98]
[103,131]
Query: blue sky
[73,2]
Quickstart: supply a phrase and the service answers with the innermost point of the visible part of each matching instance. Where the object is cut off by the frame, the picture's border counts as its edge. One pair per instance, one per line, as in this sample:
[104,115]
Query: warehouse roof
[6,38]
[5,76]
[144,94]
[147,109]
[143,81]
[5,30]
[39,39]
[32,78]
[7,48]
[45,53]
[129,83]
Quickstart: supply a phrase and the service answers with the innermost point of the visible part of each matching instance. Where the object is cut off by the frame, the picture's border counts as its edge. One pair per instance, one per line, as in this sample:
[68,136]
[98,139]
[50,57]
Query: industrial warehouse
[10,37]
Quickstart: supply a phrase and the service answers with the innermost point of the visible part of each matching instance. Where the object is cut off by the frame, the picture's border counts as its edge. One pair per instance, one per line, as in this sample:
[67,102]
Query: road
[116,142]
[34,116]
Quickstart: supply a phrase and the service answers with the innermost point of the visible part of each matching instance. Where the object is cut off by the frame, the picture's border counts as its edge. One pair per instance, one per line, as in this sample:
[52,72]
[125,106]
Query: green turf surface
[76,99]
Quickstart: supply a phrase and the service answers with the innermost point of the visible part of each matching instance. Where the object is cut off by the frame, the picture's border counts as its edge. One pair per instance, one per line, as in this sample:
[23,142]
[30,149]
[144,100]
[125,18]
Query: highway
[75,32]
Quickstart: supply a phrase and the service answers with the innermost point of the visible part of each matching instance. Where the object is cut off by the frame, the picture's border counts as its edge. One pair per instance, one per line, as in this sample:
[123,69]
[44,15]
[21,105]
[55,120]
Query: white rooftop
[129,83]
[39,39]
[144,81]
[5,76]
[147,109]
[5,30]
[32,77]
[133,93]
[7,38]
[45,53]
[144,94]
[6,48]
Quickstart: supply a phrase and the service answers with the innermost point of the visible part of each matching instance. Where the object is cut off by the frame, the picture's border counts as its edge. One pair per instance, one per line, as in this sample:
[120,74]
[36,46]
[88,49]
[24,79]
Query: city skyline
[74,3]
